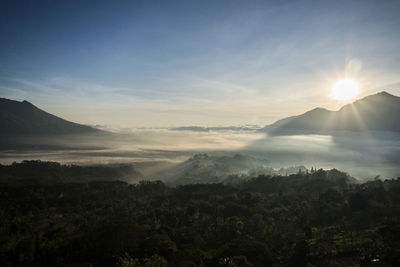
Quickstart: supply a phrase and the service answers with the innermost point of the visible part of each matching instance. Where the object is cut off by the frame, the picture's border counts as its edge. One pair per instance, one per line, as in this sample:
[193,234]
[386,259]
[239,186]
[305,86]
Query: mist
[157,153]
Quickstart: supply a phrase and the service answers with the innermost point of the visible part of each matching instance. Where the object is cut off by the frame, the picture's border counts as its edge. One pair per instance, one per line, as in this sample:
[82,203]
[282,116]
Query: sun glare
[344,90]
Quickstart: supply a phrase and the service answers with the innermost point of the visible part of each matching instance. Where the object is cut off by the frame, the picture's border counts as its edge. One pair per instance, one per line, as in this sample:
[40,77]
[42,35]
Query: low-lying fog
[150,150]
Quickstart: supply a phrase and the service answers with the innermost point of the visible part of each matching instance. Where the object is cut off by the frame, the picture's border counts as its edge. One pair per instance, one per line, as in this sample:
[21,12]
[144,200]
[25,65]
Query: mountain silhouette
[378,112]
[25,119]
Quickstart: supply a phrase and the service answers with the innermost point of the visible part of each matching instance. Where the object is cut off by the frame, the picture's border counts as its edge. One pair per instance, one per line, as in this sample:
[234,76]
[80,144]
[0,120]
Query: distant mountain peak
[382,98]
[24,118]
[385,94]
[380,95]
[377,112]
[318,109]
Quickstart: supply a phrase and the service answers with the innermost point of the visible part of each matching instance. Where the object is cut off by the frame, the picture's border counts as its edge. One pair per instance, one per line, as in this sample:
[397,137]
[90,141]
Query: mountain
[24,119]
[379,112]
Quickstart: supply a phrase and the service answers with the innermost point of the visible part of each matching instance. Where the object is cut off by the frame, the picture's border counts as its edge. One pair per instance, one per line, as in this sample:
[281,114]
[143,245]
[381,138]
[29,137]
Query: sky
[210,63]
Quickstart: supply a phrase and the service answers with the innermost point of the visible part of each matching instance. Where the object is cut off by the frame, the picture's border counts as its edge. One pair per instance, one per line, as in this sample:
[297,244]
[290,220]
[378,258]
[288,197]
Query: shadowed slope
[379,112]
[23,118]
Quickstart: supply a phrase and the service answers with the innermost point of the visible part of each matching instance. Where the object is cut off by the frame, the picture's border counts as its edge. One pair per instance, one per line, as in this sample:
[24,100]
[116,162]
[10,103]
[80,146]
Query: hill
[379,112]
[203,168]
[25,119]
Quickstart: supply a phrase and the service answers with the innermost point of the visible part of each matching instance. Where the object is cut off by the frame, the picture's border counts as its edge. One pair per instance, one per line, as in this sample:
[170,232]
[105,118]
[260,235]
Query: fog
[364,156]
[157,151]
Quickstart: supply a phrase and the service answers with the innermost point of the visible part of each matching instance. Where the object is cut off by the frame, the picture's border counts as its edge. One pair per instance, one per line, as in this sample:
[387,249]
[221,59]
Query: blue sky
[165,63]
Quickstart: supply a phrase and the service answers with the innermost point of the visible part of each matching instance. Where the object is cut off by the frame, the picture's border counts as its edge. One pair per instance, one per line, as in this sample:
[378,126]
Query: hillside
[203,168]
[379,112]
[25,119]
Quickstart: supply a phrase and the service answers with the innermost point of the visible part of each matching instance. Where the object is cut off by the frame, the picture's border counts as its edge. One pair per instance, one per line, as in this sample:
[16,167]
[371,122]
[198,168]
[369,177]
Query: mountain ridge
[377,112]
[24,118]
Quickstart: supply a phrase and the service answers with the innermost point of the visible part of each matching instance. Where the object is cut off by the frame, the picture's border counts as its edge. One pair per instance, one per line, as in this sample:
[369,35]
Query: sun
[344,90]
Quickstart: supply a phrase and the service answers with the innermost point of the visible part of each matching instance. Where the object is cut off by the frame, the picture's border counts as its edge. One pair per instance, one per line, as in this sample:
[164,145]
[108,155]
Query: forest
[313,218]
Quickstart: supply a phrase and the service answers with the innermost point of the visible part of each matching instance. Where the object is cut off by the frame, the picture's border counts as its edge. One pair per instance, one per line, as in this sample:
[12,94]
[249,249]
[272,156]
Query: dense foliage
[317,218]
[54,172]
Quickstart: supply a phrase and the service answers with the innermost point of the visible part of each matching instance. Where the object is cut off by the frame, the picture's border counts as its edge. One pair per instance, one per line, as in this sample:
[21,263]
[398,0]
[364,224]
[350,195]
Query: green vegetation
[317,218]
